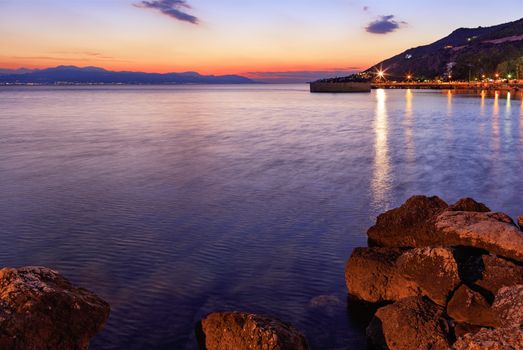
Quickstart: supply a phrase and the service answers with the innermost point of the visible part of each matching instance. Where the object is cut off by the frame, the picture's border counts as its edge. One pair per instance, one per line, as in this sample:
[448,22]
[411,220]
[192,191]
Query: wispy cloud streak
[173,8]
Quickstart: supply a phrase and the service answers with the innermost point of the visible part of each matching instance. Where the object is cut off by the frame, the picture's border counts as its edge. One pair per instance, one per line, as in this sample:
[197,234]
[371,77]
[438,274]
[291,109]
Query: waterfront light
[381,74]
[509,76]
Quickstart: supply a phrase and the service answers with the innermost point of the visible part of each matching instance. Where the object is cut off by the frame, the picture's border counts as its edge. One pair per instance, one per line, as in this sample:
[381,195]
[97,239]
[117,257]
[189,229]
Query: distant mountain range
[466,52]
[95,75]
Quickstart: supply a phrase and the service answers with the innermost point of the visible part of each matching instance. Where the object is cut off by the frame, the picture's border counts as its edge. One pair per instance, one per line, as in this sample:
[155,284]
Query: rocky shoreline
[439,277]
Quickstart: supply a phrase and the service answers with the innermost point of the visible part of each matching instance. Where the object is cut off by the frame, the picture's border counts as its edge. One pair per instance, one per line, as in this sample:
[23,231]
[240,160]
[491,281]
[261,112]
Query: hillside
[95,75]
[466,52]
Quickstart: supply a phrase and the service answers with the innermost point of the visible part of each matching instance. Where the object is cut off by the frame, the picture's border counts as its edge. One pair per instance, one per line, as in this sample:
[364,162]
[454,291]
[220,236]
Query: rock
[411,323]
[428,221]
[468,306]
[494,232]
[322,301]
[491,339]
[409,225]
[461,329]
[433,270]
[497,273]
[40,309]
[508,306]
[371,275]
[238,330]
[468,204]
[520,222]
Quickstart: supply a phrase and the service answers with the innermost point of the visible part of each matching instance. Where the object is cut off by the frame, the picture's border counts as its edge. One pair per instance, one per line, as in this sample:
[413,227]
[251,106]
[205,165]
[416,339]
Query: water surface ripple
[171,202]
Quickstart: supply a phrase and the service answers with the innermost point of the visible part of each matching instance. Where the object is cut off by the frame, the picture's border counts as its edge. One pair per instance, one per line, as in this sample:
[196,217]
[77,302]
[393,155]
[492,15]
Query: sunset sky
[254,38]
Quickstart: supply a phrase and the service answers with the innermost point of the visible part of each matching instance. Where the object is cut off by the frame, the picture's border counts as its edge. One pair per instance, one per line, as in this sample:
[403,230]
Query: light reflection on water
[381,181]
[171,202]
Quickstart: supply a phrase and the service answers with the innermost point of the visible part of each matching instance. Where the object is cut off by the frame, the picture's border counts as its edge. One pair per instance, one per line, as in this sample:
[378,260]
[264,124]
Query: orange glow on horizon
[217,69]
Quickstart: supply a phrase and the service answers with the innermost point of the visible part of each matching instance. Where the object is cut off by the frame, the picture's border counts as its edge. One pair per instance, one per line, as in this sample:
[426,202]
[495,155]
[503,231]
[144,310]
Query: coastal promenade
[493,86]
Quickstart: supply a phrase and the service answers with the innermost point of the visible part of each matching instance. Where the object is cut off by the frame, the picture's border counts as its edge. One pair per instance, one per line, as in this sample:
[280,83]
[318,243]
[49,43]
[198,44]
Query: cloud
[384,25]
[173,8]
[366,8]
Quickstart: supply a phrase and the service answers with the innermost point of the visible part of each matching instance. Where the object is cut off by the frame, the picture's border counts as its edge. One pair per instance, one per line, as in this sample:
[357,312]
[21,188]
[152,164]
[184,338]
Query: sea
[171,202]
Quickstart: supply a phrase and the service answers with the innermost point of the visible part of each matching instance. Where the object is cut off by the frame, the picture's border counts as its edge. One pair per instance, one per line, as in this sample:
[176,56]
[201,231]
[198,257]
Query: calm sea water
[171,202]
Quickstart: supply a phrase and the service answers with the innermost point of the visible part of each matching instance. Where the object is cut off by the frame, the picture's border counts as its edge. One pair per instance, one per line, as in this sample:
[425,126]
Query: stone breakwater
[438,276]
[41,310]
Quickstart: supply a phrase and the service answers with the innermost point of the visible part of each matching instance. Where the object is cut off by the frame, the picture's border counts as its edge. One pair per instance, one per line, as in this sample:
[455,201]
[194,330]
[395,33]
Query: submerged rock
[491,339]
[371,275]
[470,307]
[40,309]
[239,330]
[411,323]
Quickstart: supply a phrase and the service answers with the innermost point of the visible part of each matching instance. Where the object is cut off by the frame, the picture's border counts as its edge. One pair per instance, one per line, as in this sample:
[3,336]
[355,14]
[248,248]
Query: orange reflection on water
[409,138]
[449,102]
[482,104]
[381,174]
[495,122]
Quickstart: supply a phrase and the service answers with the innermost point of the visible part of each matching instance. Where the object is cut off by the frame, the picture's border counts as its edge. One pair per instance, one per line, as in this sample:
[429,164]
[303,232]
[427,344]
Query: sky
[265,40]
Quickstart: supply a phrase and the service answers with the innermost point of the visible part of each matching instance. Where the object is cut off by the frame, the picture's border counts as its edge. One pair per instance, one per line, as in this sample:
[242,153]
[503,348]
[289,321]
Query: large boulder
[371,274]
[409,225]
[491,339]
[494,232]
[410,323]
[433,270]
[239,330]
[497,273]
[40,309]
[470,307]
[508,306]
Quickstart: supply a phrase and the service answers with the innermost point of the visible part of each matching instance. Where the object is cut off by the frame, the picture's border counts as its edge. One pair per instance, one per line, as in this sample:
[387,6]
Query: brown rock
[411,323]
[468,306]
[491,339]
[494,232]
[468,204]
[433,270]
[40,309]
[497,273]
[520,222]
[371,275]
[409,225]
[461,329]
[238,330]
[508,305]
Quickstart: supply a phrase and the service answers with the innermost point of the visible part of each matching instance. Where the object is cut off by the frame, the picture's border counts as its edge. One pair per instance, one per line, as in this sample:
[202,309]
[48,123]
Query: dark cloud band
[172,8]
